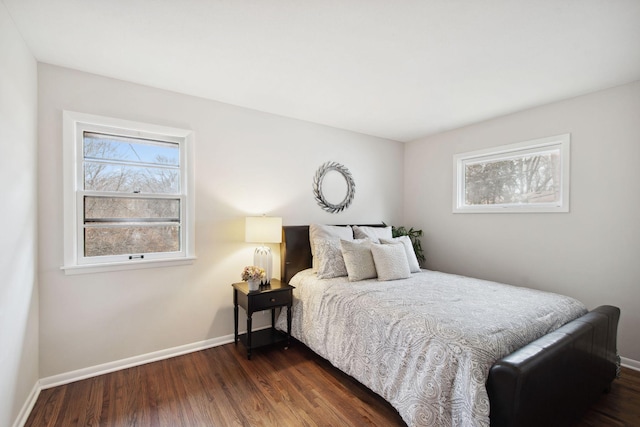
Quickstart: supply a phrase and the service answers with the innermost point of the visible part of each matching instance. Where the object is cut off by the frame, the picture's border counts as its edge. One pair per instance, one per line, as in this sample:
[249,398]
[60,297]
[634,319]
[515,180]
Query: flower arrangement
[252,272]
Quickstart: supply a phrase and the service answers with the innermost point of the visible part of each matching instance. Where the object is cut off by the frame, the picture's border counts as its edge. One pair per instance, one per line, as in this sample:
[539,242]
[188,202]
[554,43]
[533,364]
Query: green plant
[414,236]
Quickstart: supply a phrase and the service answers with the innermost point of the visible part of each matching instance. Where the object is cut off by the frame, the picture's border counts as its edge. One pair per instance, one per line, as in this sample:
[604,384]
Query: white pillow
[326,232]
[330,260]
[414,265]
[391,262]
[358,259]
[372,233]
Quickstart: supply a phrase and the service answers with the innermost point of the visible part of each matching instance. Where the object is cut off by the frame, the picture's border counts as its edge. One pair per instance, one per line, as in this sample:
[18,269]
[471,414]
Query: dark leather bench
[553,380]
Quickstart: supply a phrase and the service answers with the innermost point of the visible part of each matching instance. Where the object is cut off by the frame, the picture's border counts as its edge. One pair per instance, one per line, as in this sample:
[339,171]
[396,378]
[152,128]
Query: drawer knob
[273,300]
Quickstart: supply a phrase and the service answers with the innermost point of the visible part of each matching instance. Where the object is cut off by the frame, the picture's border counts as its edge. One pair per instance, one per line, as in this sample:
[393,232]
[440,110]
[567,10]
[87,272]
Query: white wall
[18,285]
[590,253]
[247,163]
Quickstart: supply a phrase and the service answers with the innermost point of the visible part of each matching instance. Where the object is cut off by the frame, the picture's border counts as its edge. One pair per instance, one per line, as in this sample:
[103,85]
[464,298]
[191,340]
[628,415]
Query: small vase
[254,285]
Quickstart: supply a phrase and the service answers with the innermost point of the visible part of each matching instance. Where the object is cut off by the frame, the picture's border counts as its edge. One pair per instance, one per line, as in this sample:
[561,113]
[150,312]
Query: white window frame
[561,142]
[74,124]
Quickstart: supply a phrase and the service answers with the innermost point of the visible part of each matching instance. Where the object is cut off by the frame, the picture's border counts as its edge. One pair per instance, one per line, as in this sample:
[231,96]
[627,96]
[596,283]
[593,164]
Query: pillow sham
[391,262]
[330,260]
[414,265]
[326,232]
[358,259]
[372,233]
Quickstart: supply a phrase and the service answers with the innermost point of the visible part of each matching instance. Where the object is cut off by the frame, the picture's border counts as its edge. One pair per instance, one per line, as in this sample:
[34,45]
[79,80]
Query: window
[128,198]
[531,176]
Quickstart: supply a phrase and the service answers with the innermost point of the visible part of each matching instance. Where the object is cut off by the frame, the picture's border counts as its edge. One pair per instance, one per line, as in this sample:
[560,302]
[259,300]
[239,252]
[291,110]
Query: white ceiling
[395,69]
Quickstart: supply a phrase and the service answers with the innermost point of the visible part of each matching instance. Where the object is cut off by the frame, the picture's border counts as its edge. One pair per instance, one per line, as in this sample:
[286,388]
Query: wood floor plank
[619,407]
[273,384]
[205,384]
[48,406]
[220,387]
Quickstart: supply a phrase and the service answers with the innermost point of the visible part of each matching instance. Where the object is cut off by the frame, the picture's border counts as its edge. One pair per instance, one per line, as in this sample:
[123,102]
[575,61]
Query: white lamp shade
[263,229]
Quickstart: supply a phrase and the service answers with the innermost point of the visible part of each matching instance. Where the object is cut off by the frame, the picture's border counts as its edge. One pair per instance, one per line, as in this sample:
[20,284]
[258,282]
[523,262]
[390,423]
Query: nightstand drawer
[269,300]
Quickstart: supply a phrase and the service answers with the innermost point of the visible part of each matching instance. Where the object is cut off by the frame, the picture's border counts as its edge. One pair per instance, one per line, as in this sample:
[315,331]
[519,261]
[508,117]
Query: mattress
[426,343]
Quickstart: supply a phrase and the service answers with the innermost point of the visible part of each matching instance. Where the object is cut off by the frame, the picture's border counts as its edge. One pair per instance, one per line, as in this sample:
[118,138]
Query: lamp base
[262,258]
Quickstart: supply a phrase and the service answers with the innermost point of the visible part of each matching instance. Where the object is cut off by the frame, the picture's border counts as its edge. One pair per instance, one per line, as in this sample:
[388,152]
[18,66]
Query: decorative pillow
[414,265]
[326,232]
[358,259]
[372,233]
[330,260]
[391,262]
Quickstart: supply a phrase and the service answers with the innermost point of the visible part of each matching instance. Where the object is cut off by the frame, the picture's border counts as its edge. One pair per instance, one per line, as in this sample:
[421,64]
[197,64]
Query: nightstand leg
[235,324]
[249,337]
[288,325]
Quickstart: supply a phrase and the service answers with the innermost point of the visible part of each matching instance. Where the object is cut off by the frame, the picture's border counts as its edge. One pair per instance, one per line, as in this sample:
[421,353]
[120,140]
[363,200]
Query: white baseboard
[630,363]
[22,417]
[94,371]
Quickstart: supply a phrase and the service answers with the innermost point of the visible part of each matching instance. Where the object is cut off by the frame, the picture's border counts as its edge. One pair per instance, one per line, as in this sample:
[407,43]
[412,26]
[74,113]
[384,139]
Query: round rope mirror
[320,190]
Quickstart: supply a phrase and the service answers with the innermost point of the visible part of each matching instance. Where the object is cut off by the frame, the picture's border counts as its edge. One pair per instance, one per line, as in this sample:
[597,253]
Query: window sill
[512,209]
[120,266]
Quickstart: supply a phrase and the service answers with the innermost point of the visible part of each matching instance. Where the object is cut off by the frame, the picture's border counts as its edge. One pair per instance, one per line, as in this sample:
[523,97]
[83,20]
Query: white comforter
[425,344]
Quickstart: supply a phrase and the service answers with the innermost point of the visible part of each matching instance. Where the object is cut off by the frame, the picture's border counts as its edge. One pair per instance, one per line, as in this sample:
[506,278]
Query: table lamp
[263,229]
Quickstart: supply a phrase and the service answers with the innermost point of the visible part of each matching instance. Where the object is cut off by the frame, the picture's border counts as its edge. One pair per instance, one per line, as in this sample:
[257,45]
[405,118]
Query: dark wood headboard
[295,250]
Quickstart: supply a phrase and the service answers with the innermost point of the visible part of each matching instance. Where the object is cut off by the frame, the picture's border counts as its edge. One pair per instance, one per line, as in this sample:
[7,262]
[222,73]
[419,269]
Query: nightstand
[275,294]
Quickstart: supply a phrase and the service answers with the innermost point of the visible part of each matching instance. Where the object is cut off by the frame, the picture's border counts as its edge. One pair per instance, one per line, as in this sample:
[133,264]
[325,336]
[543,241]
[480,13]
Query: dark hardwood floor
[619,407]
[220,387]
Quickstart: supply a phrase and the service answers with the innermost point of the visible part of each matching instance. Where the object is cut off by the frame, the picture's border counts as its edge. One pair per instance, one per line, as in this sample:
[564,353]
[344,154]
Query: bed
[402,346]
